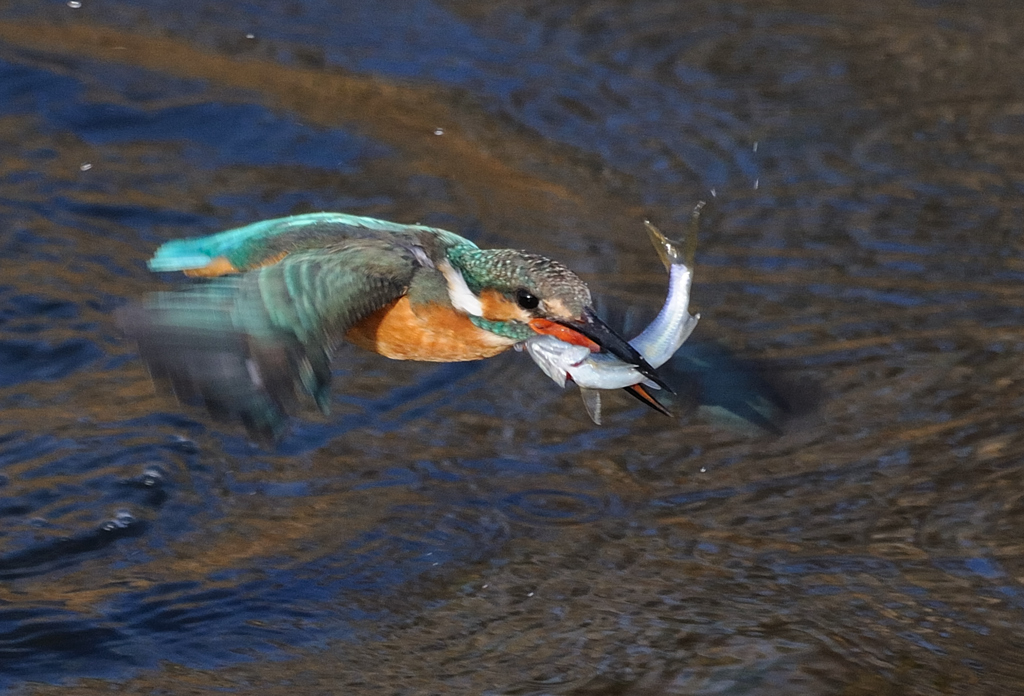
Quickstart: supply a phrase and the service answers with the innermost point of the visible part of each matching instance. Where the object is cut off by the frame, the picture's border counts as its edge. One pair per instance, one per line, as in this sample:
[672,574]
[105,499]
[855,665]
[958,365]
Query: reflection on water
[465,528]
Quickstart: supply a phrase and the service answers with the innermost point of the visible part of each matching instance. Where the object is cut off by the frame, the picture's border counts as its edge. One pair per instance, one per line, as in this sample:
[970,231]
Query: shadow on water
[465,528]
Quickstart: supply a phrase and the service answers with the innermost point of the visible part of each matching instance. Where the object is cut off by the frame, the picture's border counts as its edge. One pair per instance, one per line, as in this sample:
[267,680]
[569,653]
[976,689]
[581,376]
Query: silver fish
[657,343]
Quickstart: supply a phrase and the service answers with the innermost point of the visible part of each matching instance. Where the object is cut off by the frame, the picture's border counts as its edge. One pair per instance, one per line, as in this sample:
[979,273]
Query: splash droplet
[152,476]
[439,131]
[122,520]
[74,4]
[85,166]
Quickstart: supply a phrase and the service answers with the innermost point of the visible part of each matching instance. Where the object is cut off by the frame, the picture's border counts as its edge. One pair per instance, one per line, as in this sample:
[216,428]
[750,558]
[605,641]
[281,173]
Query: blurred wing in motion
[253,347]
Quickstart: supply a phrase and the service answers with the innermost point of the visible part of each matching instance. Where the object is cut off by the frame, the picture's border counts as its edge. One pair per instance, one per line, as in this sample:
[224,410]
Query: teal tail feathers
[198,252]
[178,256]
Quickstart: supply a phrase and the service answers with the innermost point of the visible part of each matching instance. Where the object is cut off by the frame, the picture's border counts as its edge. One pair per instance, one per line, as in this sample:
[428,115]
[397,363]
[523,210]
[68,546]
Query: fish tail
[672,252]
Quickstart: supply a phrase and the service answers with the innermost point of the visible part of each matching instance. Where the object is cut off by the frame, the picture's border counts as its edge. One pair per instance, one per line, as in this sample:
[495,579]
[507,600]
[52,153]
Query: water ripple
[551,507]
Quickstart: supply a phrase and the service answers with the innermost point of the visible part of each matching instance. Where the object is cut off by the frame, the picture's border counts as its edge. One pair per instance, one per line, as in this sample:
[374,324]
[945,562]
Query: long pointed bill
[640,392]
[593,333]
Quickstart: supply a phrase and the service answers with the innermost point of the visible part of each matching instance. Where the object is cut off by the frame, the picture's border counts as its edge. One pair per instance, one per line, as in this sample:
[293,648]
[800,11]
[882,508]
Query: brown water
[465,528]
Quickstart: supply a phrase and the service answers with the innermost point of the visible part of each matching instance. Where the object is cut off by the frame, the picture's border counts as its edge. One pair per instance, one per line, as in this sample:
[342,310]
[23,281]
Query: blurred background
[836,507]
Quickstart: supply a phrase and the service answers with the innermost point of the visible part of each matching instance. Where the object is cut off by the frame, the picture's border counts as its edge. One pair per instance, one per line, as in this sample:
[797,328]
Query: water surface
[465,528]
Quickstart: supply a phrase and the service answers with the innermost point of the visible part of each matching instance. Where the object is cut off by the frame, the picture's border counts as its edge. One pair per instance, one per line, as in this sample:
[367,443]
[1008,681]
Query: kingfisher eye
[526,300]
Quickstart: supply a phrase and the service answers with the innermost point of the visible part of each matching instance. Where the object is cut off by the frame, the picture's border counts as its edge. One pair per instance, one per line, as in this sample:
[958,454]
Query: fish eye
[526,299]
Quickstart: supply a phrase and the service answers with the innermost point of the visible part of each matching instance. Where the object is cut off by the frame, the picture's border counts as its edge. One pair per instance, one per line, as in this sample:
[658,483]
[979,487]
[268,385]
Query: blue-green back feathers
[265,241]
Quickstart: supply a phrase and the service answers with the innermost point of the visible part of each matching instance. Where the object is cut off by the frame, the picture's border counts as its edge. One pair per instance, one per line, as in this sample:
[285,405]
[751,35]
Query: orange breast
[432,333]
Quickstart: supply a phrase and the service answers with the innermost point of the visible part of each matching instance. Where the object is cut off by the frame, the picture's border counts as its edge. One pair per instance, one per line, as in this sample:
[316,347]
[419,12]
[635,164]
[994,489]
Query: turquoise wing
[265,242]
[255,347]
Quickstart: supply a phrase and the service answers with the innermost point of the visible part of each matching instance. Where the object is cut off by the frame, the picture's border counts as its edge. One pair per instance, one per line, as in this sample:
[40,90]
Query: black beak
[599,332]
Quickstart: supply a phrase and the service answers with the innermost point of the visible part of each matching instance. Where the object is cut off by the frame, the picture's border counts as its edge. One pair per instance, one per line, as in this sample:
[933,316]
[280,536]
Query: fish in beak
[625,365]
[591,332]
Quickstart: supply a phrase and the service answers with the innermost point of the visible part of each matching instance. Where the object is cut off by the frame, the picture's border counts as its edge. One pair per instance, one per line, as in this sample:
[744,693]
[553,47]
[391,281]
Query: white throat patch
[459,293]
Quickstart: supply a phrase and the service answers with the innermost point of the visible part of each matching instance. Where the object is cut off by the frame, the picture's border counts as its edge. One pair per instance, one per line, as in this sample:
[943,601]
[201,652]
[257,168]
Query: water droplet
[714,193]
[529,594]
[122,520]
[85,166]
[184,444]
[755,146]
[703,470]
[74,4]
[250,36]
[439,131]
[757,184]
[152,476]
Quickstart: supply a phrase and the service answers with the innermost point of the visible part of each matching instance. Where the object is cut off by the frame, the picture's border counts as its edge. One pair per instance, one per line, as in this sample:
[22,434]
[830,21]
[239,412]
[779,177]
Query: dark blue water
[465,528]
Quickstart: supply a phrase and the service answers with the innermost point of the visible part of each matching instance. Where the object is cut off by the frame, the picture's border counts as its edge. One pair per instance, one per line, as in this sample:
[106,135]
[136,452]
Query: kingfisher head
[518,295]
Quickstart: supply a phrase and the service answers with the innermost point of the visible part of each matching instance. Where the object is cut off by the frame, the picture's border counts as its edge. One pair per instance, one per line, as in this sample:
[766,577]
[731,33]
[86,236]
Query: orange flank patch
[563,333]
[217,267]
[221,266]
[432,333]
[269,261]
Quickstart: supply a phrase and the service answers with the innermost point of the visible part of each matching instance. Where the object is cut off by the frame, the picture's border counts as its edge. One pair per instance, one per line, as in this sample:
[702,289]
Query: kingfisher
[256,339]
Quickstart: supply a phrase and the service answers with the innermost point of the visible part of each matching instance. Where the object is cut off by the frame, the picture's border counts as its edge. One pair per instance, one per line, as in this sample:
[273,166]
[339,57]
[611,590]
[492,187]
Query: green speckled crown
[507,270]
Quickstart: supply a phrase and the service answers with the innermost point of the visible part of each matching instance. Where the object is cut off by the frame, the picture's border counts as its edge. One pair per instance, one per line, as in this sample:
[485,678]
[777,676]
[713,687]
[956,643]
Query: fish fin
[592,402]
[557,375]
[640,393]
[691,324]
